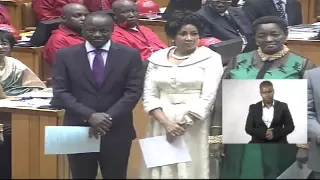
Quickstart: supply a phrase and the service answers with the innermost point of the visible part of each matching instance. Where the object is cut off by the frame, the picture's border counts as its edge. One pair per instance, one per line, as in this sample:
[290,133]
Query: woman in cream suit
[180,87]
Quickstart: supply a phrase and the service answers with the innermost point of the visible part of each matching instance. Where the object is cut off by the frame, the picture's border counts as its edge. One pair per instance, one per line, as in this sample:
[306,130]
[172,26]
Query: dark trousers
[5,158]
[112,158]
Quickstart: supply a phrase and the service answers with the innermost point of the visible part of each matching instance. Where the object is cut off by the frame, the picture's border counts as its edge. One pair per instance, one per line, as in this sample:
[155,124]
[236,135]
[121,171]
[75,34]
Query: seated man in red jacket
[50,9]
[69,31]
[127,31]
[4,16]
[99,5]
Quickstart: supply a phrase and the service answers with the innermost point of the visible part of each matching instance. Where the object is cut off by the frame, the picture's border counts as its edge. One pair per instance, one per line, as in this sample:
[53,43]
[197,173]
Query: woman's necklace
[179,57]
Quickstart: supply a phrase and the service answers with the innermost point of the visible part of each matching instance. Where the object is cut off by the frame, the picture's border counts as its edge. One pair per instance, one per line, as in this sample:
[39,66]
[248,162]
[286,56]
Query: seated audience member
[16,79]
[11,29]
[289,10]
[234,3]
[49,9]
[4,15]
[69,31]
[98,5]
[127,31]
[225,22]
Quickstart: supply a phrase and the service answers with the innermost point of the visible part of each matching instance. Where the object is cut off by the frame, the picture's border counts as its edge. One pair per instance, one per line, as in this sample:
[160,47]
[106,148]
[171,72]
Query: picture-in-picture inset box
[264,111]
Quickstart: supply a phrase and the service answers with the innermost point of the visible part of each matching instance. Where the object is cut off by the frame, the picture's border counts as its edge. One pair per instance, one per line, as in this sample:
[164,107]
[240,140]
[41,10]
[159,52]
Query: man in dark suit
[99,83]
[290,10]
[269,121]
[225,22]
[181,5]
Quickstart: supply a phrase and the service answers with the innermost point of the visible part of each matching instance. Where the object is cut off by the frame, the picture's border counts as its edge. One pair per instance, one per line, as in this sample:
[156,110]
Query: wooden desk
[15,11]
[28,159]
[28,131]
[33,58]
[309,49]
[140,123]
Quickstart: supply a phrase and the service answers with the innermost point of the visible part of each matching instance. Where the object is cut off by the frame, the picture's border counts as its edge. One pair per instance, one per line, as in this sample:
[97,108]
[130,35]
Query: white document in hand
[157,151]
[294,172]
[69,140]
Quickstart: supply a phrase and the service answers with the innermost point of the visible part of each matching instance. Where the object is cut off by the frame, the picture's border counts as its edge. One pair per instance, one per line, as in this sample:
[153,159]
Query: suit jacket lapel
[260,112]
[238,19]
[290,12]
[272,7]
[276,112]
[111,61]
[82,56]
[215,18]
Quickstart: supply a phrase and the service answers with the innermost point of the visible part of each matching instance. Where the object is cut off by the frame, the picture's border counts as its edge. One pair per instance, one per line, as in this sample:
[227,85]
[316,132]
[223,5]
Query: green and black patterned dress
[261,161]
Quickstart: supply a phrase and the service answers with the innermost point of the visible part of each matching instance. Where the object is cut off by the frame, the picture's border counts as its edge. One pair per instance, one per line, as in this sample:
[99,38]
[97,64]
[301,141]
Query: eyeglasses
[4,43]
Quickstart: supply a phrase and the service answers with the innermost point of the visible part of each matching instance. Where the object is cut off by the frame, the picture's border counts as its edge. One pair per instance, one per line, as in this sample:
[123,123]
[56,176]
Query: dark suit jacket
[217,26]
[255,9]
[282,123]
[181,5]
[76,91]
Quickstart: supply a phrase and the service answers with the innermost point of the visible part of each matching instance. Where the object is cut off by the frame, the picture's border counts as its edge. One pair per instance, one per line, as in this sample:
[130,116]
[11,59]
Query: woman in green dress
[272,60]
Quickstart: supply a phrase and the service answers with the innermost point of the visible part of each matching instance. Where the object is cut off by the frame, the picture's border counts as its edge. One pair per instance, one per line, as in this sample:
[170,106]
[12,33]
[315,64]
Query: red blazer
[49,9]
[98,5]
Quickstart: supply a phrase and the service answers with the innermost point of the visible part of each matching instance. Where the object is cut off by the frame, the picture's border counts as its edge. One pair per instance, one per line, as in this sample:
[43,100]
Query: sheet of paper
[30,103]
[69,140]
[157,151]
[294,172]
[37,94]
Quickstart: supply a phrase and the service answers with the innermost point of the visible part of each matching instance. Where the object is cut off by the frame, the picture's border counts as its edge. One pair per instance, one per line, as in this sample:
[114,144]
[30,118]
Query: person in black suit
[290,10]
[269,121]
[181,5]
[225,22]
[234,3]
[99,83]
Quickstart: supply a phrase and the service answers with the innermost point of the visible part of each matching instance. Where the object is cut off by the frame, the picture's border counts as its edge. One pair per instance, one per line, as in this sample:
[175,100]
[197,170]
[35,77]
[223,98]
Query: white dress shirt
[283,6]
[267,114]
[91,54]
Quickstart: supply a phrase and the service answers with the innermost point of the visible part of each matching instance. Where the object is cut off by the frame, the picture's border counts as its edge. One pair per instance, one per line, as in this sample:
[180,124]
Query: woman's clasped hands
[175,129]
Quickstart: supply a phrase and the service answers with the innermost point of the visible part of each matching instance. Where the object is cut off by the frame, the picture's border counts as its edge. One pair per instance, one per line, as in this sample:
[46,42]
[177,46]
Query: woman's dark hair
[7,36]
[270,19]
[182,18]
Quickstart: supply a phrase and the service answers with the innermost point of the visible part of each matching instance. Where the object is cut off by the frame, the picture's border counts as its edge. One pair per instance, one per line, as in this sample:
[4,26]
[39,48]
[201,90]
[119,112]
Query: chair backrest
[29,19]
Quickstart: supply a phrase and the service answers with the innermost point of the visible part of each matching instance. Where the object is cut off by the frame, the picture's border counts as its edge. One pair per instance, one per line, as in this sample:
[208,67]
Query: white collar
[202,53]
[225,13]
[135,28]
[276,1]
[263,105]
[90,48]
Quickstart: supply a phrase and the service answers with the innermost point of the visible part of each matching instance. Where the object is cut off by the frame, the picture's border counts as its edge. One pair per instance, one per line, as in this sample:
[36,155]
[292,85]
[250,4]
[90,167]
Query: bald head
[72,7]
[121,3]
[98,16]
[126,13]
[73,16]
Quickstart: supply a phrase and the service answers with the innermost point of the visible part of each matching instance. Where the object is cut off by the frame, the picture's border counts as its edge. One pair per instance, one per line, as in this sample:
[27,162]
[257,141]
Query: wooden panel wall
[162,3]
